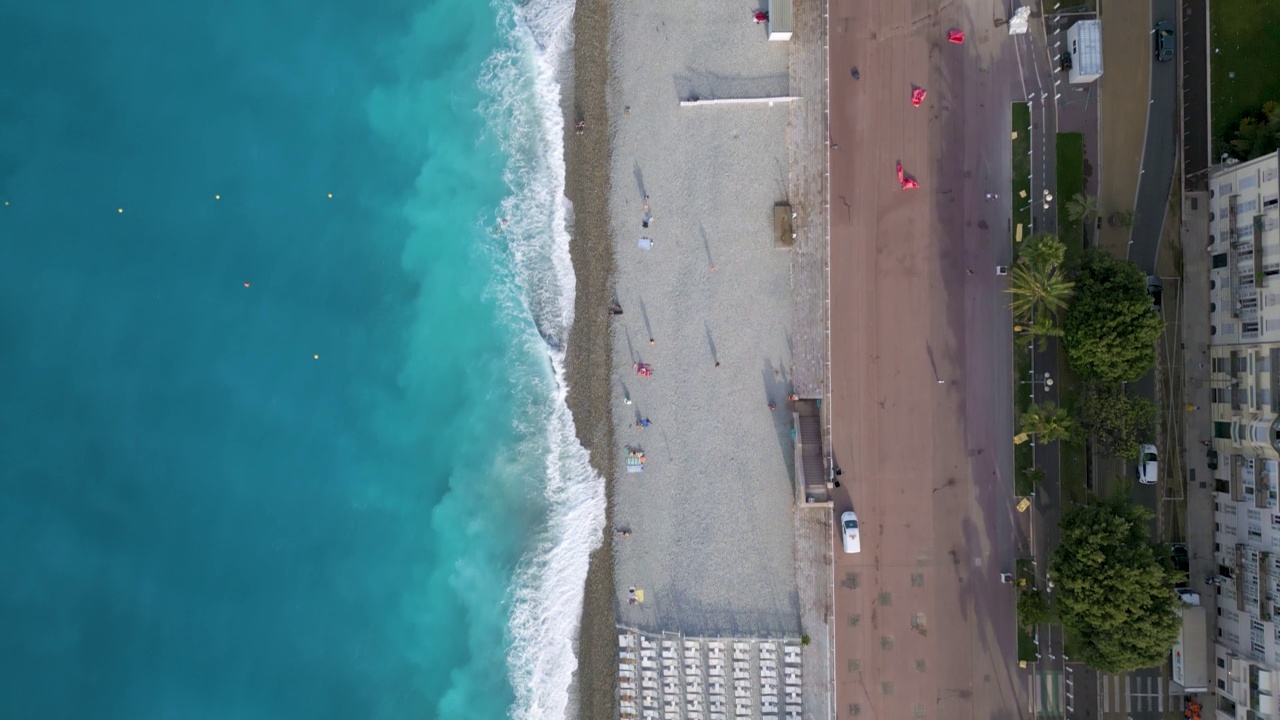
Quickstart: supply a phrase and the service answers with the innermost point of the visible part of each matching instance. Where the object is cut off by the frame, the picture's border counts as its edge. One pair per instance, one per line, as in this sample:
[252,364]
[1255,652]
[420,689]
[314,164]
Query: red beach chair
[956,36]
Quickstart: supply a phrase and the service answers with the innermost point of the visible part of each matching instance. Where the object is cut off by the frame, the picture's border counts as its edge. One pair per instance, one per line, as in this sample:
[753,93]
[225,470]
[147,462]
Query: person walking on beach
[648,217]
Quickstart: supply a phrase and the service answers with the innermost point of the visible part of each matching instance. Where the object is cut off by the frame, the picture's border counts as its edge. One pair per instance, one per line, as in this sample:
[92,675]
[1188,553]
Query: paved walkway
[920,362]
[806,137]
[1123,102]
[1198,427]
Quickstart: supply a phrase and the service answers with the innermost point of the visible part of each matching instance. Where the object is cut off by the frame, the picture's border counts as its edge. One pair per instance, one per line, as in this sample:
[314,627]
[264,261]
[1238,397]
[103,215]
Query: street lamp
[1047,381]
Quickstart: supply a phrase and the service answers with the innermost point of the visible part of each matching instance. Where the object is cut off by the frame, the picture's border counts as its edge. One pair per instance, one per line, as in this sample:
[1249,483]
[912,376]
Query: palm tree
[1047,422]
[1042,250]
[1082,207]
[1039,294]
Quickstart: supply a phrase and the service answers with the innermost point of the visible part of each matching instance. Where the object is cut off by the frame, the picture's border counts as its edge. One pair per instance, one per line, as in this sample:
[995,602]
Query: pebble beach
[706,303]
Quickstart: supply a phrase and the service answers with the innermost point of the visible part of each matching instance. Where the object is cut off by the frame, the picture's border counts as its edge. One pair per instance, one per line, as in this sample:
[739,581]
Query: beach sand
[587,368]
[712,516]
[714,537]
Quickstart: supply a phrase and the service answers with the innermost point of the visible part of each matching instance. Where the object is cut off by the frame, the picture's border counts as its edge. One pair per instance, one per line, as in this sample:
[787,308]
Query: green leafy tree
[1114,590]
[1110,330]
[1257,135]
[1082,207]
[1033,610]
[1118,421]
[1047,422]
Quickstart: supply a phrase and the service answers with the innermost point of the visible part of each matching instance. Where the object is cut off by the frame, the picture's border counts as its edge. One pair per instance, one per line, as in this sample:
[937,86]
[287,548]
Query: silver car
[1148,465]
[849,532]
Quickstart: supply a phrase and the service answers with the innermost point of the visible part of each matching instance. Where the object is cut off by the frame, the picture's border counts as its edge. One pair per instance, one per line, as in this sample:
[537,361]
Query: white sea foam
[524,113]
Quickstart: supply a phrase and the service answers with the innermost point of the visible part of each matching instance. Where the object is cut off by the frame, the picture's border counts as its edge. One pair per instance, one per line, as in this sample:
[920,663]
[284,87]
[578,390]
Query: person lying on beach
[615,309]
[580,126]
[760,16]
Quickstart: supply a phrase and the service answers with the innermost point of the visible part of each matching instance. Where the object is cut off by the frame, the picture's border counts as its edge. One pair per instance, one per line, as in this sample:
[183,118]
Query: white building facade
[1244,315]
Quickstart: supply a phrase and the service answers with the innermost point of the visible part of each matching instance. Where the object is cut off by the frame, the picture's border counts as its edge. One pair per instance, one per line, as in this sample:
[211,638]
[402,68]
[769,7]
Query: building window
[1219,261]
[1213,284]
[1222,430]
[1222,663]
[1213,329]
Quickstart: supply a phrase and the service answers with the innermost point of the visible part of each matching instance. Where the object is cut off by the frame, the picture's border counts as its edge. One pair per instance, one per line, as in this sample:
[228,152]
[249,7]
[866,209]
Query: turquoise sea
[283,291]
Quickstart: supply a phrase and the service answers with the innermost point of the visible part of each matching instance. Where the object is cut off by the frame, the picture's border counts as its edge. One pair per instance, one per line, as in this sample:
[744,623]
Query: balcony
[1274,376]
[1259,225]
[1264,586]
[1238,572]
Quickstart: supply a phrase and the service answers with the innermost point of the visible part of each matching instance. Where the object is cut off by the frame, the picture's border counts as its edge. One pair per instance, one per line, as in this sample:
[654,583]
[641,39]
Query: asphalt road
[1159,152]
[1194,55]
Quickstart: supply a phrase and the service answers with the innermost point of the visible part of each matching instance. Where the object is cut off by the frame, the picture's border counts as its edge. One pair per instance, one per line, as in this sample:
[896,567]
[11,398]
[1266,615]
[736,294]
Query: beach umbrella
[906,182]
[917,96]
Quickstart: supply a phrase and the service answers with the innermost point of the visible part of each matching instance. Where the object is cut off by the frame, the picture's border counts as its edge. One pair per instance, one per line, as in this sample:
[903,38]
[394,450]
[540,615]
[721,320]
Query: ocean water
[284,288]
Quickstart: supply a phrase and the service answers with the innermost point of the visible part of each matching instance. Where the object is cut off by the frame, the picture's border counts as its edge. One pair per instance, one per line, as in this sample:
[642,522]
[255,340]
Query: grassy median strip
[1025,579]
[1072,454]
[1070,183]
[1021,197]
[1024,454]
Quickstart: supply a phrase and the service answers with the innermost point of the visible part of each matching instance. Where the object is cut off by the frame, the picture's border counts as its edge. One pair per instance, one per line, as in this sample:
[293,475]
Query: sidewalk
[1123,101]
[1197,422]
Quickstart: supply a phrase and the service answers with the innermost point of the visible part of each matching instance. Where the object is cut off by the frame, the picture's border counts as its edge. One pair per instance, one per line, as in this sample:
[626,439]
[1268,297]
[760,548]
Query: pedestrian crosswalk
[1047,691]
[1131,694]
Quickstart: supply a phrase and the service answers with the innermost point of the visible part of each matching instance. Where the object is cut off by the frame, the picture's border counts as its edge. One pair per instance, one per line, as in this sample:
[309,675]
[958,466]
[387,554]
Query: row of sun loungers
[683,679]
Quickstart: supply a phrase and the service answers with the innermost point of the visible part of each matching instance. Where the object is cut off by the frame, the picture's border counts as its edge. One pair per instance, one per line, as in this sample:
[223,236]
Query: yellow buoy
[217,197]
[331,195]
[119,210]
[316,356]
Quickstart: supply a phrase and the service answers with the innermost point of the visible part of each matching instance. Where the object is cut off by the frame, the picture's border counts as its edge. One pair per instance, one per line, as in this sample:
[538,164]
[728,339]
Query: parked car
[1148,465]
[1181,560]
[849,532]
[1164,41]
[1156,289]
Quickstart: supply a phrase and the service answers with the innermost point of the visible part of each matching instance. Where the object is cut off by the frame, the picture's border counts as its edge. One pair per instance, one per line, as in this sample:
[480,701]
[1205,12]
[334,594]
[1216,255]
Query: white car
[849,532]
[1148,465]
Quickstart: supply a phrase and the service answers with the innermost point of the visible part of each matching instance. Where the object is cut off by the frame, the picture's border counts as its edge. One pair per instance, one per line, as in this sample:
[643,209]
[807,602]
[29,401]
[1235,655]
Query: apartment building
[1244,316]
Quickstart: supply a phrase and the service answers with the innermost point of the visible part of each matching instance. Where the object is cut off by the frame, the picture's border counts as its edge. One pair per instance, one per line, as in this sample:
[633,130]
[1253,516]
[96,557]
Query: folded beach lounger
[634,464]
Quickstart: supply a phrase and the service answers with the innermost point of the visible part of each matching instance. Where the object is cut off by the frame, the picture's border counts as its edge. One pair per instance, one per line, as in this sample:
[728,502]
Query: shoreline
[589,351]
